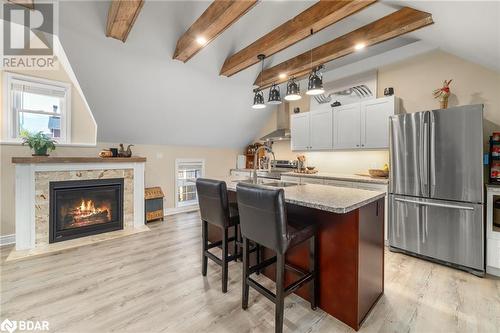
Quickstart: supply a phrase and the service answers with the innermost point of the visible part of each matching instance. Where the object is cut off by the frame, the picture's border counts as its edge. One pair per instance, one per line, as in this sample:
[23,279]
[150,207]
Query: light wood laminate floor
[152,282]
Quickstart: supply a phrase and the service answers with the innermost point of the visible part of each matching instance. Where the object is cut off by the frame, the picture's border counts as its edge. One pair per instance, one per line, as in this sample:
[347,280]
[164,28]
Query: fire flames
[87,211]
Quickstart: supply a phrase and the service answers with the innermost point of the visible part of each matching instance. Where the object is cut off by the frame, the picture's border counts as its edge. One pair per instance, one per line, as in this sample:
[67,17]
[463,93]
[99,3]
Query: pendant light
[274,95]
[315,83]
[258,99]
[292,90]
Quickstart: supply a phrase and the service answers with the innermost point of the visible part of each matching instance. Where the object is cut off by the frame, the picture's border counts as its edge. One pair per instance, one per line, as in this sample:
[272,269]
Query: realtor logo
[23,325]
[8,325]
[28,36]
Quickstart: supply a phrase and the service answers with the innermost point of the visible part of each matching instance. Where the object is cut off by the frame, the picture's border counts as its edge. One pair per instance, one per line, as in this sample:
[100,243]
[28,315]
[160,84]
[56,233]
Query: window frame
[9,115]
[179,161]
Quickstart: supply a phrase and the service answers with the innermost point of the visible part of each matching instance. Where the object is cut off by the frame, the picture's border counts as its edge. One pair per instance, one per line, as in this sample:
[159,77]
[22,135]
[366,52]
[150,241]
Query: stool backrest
[212,198]
[263,215]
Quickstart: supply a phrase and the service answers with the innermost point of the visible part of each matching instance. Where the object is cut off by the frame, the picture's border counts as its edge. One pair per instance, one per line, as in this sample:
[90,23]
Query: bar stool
[263,220]
[216,210]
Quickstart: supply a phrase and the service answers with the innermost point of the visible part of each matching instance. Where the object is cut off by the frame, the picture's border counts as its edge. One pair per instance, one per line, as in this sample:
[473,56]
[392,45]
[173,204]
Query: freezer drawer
[405,225]
[409,152]
[444,230]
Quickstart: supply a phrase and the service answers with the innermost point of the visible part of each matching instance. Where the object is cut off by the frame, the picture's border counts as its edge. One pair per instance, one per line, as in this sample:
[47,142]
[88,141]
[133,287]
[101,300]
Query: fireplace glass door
[85,207]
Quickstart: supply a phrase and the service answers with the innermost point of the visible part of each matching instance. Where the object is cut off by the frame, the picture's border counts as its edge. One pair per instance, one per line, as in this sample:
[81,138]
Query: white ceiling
[139,94]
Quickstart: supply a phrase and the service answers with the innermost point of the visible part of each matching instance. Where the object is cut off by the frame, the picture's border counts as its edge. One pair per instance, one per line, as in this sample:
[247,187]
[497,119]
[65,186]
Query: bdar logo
[8,325]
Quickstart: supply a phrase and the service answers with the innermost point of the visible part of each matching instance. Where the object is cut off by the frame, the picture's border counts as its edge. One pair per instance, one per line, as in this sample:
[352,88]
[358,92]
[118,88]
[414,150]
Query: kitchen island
[351,245]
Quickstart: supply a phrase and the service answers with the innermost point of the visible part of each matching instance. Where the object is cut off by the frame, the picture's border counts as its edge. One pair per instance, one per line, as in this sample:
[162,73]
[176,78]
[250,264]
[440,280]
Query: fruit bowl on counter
[378,173]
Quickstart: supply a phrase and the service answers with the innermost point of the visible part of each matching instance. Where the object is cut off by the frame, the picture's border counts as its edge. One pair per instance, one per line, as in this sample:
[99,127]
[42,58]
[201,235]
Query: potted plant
[40,143]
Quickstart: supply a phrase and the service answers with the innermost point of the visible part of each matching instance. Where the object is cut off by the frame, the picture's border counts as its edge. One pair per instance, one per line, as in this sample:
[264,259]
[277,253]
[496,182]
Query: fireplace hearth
[85,207]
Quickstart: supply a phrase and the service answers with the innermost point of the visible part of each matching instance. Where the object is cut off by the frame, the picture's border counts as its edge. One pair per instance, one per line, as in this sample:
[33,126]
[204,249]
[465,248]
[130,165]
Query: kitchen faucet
[256,164]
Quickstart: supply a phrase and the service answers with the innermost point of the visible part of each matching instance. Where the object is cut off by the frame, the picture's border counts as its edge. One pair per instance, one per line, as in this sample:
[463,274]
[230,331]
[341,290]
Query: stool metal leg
[313,267]
[280,293]
[224,260]
[245,287]
[204,237]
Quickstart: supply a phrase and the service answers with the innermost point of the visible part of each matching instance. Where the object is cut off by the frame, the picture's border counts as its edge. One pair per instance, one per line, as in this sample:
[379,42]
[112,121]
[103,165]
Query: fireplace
[85,207]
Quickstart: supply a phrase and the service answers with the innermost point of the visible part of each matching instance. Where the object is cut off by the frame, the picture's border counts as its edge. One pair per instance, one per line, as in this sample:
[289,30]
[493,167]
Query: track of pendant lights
[314,87]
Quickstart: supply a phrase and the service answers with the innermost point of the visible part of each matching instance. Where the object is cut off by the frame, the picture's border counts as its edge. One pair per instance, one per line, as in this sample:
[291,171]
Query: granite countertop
[323,197]
[340,176]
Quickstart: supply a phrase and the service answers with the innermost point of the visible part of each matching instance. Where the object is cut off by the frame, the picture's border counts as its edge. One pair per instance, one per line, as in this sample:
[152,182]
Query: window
[36,105]
[187,171]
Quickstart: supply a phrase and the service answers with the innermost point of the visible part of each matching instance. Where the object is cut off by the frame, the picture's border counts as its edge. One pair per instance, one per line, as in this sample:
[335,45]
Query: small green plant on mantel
[40,143]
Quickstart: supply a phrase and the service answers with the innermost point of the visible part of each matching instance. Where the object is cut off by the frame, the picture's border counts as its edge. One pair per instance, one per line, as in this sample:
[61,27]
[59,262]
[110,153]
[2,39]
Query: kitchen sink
[270,183]
[280,184]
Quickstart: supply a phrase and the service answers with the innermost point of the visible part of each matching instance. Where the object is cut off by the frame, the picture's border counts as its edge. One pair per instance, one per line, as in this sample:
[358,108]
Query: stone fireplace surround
[33,176]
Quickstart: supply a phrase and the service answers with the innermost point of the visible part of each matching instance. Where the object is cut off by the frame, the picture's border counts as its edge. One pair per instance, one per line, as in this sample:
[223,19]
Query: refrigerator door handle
[433,154]
[425,159]
[434,204]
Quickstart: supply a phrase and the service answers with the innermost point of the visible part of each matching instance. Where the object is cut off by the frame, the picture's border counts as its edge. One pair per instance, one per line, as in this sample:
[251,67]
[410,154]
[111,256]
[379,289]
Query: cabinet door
[300,131]
[321,130]
[346,132]
[375,122]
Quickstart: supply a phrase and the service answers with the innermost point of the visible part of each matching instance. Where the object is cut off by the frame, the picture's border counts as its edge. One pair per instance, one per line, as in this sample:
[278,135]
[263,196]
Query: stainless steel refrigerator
[436,186]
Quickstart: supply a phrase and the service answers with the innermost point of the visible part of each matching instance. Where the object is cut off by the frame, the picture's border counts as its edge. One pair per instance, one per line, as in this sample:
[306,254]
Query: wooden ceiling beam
[315,18]
[393,25]
[220,15]
[25,3]
[121,18]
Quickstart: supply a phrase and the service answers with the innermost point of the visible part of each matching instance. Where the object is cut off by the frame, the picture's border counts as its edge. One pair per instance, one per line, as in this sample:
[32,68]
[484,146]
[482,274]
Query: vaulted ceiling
[139,94]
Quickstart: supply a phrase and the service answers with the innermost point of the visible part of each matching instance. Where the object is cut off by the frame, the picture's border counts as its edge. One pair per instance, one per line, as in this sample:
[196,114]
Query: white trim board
[493,270]
[180,210]
[7,239]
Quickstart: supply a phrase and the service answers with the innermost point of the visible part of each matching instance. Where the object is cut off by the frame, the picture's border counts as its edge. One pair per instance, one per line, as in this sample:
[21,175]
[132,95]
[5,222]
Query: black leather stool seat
[216,209]
[264,220]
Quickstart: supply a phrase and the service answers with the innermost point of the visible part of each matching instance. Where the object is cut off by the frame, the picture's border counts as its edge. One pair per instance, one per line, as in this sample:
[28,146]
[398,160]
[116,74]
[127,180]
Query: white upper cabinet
[321,128]
[313,130]
[300,131]
[346,119]
[375,122]
[363,125]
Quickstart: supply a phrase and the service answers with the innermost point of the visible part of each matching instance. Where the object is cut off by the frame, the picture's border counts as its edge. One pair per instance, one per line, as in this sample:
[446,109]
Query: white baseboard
[179,210]
[7,239]
[493,270]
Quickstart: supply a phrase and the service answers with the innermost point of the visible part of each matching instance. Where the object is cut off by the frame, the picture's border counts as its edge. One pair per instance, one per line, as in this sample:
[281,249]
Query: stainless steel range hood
[283,125]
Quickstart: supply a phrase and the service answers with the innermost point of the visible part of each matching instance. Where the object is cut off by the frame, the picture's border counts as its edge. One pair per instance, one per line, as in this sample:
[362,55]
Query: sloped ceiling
[138,94]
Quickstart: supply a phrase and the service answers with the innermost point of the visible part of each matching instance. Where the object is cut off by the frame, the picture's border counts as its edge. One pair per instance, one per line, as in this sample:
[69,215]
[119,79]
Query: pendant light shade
[315,83]
[292,90]
[258,100]
[274,94]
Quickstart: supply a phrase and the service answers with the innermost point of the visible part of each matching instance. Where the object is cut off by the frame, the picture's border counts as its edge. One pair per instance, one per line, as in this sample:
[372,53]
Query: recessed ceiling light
[359,46]
[201,40]
[282,76]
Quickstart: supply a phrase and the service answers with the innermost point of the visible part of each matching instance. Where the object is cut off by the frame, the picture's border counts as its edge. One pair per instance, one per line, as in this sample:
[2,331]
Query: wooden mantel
[61,159]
